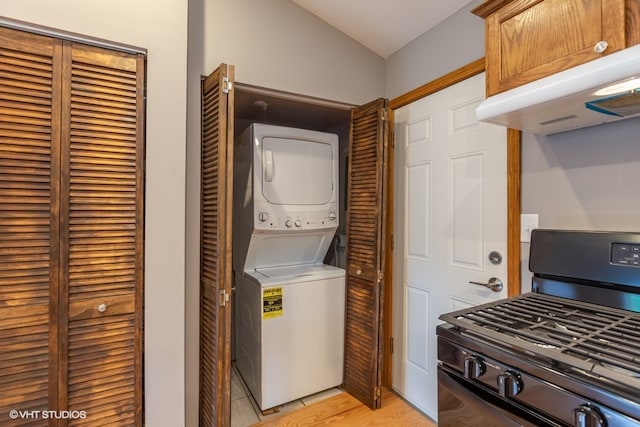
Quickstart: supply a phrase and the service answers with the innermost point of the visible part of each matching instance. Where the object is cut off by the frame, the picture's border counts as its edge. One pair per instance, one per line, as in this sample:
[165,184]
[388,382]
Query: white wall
[588,179]
[449,45]
[274,44]
[160,26]
[277,44]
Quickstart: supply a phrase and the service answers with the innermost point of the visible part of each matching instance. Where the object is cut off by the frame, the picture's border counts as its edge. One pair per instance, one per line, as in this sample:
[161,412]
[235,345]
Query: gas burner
[547,333]
[540,344]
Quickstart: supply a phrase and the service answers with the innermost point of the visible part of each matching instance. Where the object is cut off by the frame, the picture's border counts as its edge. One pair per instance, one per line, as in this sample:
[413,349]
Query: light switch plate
[528,222]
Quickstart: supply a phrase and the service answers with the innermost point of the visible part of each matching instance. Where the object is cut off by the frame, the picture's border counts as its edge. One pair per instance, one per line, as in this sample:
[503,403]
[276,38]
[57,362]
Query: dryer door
[297,172]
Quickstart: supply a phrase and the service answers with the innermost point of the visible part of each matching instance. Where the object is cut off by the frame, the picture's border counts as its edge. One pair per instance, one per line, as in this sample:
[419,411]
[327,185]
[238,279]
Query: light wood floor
[345,410]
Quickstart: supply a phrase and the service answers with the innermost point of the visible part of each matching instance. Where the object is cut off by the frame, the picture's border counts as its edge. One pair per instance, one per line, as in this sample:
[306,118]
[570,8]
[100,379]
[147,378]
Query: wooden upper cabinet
[526,40]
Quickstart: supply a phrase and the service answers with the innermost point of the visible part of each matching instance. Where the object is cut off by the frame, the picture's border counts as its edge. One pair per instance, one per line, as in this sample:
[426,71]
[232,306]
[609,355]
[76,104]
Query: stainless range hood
[568,100]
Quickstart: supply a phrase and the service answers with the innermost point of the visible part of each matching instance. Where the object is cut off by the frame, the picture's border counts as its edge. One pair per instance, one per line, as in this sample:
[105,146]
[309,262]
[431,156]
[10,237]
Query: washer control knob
[509,384]
[473,367]
[263,216]
[288,223]
[332,216]
[298,223]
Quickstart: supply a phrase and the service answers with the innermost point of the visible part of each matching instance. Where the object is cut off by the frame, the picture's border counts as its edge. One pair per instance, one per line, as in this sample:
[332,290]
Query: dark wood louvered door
[29,175]
[216,195]
[102,237]
[365,252]
[71,232]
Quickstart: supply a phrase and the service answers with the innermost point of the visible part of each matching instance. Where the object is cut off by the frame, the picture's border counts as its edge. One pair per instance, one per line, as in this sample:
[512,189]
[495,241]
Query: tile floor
[245,412]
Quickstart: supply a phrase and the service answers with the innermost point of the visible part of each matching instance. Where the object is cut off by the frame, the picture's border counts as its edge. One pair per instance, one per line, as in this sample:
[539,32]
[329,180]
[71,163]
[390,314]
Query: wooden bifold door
[71,232]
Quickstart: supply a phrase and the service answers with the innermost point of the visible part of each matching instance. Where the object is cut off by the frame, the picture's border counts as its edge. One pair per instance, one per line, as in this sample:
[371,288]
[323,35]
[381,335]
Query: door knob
[494,284]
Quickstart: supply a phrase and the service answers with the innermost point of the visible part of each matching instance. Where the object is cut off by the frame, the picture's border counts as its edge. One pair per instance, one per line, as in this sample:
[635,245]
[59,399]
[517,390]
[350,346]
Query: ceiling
[383,26]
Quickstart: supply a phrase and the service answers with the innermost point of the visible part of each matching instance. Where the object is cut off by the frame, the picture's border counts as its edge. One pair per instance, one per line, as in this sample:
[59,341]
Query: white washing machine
[289,306]
[290,336]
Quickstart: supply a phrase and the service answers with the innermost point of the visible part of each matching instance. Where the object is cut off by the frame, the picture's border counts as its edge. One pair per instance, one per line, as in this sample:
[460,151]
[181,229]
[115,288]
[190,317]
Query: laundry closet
[248,264]
[288,321]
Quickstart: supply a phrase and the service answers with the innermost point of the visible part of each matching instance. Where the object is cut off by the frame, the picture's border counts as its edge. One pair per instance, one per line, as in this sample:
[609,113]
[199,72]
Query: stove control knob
[263,216]
[509,384]
[298,223]
[288,223]
[332,216]
[588,416]
[473,367]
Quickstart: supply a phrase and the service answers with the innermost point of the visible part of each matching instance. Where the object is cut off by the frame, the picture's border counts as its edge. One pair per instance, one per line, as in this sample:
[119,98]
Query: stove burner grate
[600,340]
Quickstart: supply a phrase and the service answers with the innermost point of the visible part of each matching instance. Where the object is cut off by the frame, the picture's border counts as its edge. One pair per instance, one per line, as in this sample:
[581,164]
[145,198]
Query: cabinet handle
[600,47]
[102,308]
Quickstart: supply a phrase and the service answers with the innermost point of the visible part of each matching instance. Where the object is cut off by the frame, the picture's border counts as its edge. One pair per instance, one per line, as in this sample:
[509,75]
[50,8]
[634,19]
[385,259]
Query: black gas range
[566,354]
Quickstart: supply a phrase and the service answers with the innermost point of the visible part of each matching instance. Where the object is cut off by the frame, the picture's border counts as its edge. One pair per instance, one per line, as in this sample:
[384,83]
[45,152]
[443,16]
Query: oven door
[465,403]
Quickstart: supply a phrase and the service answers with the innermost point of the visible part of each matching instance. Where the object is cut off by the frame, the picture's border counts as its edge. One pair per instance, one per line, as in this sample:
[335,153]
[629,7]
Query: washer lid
[295,274]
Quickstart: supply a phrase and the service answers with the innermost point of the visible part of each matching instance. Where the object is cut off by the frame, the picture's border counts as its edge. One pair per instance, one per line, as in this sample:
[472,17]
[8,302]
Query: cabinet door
[530,39]
[101,235]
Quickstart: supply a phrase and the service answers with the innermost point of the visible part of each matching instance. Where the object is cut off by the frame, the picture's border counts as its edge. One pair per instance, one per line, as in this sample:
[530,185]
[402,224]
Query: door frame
[514,138]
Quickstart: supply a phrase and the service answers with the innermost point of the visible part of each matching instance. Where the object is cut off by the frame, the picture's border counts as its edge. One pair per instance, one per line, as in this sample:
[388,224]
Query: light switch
[528,222]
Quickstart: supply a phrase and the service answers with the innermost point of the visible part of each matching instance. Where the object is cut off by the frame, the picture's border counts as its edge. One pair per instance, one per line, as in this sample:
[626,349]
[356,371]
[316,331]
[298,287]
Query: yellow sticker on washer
[272,303]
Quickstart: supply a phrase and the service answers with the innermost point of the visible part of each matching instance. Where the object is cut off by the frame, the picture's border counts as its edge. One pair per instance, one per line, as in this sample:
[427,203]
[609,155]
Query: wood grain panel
[514,177]
[215,248]
[365,252]
[632,22]
[102,236]
[521,52]
[29,92]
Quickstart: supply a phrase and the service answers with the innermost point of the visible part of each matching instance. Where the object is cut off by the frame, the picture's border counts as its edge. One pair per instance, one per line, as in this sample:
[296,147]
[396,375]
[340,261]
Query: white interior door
[451,211]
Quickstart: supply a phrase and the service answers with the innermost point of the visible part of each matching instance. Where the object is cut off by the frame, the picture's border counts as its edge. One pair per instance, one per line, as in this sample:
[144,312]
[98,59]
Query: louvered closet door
[365,253]
[101,251]
[29,171]
[215,247]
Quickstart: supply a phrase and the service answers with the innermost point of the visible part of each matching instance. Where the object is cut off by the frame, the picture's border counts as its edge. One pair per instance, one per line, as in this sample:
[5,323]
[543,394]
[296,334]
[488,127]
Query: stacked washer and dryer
[289,306]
